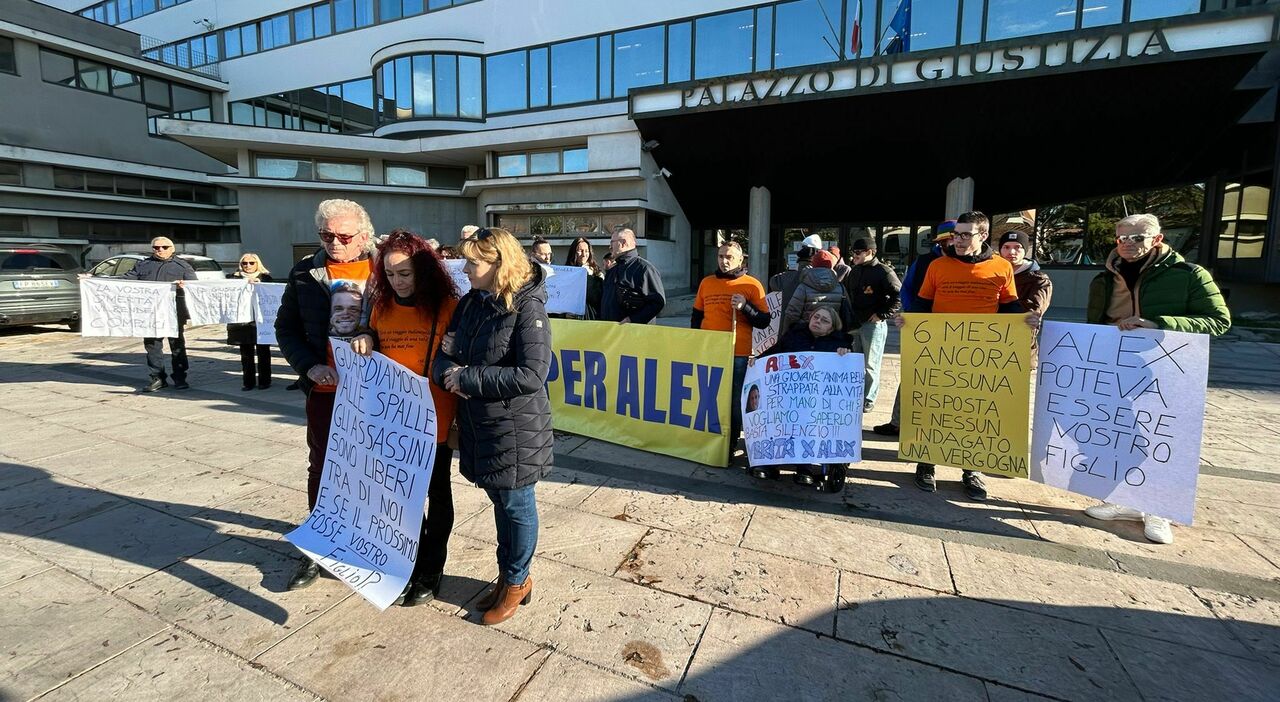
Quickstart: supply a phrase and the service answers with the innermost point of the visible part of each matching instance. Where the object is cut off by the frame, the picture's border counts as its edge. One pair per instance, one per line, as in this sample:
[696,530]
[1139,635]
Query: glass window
[678,52]
[231,42]
[439,4]
[1096,14]
[605,50]
[211,48]
[807,32]
[389,10]
[446,76]
[99,183]
[1020,18]
[181,191]
[538,77]
[412,7]
[128,185]
[8,60]
[450,178]
[581,225]
[205,194]
[764,38]
[573,72]
[323,20]
[970,32]
[506,78]
[724,44]
[469,83]
[333,170]
[249,39]
[423,89]
[303,26]
[68,179]
[404,88]
[344,15]
[57,68]
[10,173]
[512,165]
[546,226]
[186,99]
[414,176]
[544,163]
[283,168]
[516,224]
[364,13]
[13,224]
[126,85]
[617,221]
[157,189]
[575,160]
[156,92]
[1151,9]
[182,56]
[242,113]
[637,59]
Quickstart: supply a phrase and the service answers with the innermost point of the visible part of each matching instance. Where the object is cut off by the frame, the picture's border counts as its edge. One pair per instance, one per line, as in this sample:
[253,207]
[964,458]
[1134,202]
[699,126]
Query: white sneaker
[1157,529]
[1109,512]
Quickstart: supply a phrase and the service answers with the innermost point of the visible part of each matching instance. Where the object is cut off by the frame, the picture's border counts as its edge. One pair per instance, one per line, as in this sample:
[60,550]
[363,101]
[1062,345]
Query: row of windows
[543,162]
[102,229]
[134,186]
[304,24]
[114,12]
[429,85]
[13,225]
[336,170]
[10,173]
[160,96]
[345,107]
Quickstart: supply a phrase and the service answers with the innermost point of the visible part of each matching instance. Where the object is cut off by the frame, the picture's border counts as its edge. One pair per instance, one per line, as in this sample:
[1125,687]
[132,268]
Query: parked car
[118,265]
[39,284]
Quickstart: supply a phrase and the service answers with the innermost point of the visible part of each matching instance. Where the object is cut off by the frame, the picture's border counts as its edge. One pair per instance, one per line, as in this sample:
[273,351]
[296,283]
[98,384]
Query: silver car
[39,285]
[116,266]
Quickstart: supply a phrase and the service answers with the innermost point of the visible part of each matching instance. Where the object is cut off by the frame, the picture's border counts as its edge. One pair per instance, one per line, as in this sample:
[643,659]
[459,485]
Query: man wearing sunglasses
[303,323]
[1148,285]
[162,266]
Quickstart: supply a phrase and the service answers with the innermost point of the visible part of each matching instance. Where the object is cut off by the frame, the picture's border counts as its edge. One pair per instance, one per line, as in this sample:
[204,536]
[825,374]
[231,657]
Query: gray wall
[272,220]
[71,26]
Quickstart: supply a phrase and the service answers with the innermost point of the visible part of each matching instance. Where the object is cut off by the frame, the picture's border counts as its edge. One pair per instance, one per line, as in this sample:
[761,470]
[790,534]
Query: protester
[541,250]
[608,261]
[841,269]
[907,294]
[1148,285]
[411,300]
[581,254]
[164,267]
[1034,287]
[968,279]
[731,300]
[817,287]
[786,281]
[245,335]
[304,322]
[873,288]
[449,253]
[821,333]
[433,244]
[632,286]
[496,359]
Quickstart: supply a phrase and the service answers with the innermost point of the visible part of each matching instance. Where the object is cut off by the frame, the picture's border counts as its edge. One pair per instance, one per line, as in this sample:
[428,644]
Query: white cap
[812,241]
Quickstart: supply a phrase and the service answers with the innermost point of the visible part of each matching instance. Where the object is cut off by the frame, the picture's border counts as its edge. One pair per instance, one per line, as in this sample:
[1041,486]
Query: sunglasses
[161,248]
[1135,238]
[480,235]
[248,263]
[327,237]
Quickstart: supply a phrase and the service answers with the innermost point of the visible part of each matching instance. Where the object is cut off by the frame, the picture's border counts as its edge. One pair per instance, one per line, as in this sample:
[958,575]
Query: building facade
[693,121]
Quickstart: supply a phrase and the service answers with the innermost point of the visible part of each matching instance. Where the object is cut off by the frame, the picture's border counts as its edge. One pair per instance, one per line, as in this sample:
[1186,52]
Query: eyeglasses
[327,237]
[962,235]
[1132,238]
[160,248]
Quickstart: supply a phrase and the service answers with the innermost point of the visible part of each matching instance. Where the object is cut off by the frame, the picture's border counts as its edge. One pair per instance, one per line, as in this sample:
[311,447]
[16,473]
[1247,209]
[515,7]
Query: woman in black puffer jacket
[497,355]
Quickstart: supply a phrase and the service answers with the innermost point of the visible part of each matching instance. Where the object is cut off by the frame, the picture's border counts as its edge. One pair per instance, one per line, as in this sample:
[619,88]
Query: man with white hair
[303,324]
[163,266]
[632,287]
[1148,285]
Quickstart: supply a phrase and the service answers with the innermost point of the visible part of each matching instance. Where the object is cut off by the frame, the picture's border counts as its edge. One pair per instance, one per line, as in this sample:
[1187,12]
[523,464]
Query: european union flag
[899,30]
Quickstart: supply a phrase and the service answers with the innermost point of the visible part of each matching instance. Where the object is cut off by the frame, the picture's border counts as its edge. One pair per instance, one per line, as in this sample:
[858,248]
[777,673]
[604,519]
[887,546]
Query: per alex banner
[654,388]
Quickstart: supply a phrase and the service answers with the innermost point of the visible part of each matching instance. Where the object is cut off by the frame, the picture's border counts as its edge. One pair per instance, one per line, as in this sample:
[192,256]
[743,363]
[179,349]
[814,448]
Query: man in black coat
[164,267]
[632,286]
[873,288]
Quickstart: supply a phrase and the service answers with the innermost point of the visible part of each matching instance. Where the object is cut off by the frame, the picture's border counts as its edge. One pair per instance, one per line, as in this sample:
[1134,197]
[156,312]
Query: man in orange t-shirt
[731,300]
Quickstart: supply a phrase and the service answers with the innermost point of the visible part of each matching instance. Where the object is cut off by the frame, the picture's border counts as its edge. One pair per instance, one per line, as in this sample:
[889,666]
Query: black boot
[422,590]
[974,486]
[924,478]
[308,571]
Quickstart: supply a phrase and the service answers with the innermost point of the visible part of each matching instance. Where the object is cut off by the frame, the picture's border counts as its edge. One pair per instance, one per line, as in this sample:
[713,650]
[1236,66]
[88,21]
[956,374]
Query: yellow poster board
[660,389]
[966,392]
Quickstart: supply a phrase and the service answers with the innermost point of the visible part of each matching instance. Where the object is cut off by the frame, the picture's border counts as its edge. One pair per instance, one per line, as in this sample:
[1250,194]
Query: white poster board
[266,304]
[803,408]
[1119,415]
[763,339]
[219,301]
[367,522]
[128,308]
[566,286]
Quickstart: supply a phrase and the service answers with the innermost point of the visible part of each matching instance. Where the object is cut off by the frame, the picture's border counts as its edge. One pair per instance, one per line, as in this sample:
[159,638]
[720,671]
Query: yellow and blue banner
[659,389]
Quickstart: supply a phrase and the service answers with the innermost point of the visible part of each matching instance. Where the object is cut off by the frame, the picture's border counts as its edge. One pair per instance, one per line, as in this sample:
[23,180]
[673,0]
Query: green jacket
[1172,292]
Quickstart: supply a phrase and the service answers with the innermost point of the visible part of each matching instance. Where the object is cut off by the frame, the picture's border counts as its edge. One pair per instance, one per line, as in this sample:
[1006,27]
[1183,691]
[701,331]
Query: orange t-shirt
[403,336]
[355,272]
[968,288]
[715,297]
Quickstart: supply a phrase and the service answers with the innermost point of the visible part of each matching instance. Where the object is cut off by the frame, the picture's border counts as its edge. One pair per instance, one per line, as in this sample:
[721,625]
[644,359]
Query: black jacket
[166,271]
[787,281]
[632,288]
[799,339]
[873,288]
[302,324]
[247,333]
[505,426]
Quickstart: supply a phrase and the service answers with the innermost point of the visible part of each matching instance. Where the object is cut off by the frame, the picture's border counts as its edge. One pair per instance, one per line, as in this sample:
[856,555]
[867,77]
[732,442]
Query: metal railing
[179,56]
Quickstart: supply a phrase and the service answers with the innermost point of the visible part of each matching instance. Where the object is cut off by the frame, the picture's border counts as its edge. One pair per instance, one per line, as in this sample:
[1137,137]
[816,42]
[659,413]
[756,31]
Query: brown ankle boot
[512,597]
[491,598]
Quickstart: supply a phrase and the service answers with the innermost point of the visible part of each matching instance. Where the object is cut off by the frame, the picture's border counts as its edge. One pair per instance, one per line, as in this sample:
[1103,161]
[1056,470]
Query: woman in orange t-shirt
[412,298]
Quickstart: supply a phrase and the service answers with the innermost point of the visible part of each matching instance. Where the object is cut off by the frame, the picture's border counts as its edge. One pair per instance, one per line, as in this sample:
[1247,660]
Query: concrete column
[759,216]
[959,196]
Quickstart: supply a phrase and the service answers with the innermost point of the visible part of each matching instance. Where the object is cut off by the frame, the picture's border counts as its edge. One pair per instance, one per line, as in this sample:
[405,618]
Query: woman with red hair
[411,299]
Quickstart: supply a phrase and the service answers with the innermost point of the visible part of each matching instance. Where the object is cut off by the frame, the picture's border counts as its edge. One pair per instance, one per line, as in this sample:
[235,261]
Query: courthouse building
[686,120]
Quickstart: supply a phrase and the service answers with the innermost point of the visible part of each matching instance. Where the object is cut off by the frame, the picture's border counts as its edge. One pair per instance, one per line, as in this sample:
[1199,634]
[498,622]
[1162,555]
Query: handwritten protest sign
[367,520]
[566,286]
[966,387]
[1119,415]
[266,304]
[763,339]
[130,308]
[803,408]
[219,301]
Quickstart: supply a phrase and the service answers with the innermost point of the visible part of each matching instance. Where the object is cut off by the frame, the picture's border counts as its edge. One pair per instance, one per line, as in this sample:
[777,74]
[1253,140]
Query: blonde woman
[245,335]
[497,353]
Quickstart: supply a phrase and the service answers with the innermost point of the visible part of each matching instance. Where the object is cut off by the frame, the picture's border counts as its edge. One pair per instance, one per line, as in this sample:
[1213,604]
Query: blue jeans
[516,514]
[735,405]
[869,341]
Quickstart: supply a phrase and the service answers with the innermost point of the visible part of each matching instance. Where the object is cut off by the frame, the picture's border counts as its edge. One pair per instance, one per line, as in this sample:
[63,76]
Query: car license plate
[29,284]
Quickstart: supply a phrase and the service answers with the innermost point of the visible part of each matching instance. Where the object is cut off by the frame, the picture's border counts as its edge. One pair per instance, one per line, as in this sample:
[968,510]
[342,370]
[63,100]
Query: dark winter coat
[818,287]
[786,281]
[914,279]
[632,289]
[247,333]
[302,324]
[1034,288]
[165,271]
[799,339]
[873,288]
[505,426]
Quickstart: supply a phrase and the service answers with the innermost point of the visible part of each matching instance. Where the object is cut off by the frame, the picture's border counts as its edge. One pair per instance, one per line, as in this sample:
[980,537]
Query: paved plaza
[144,560]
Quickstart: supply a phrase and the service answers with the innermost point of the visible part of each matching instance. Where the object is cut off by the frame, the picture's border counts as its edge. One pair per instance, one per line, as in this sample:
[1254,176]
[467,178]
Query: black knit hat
[1018,236]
